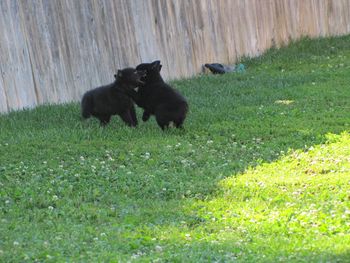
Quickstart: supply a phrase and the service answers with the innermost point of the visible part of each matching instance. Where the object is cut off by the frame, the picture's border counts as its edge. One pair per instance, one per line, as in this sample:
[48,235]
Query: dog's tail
[86,106]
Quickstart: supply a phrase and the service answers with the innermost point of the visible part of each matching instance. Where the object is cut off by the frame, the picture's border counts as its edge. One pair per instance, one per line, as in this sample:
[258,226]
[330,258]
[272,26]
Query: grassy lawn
[261,172]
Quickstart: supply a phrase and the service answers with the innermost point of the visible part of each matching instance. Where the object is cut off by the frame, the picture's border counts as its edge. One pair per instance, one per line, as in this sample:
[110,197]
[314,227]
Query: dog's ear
[155,64]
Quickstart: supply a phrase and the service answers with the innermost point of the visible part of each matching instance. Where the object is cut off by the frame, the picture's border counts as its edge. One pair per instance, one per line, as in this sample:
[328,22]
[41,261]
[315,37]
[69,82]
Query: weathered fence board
[53,51]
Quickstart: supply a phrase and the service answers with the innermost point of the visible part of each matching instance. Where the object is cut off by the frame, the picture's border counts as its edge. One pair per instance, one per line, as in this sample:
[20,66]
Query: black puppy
[158,98]
[105,101]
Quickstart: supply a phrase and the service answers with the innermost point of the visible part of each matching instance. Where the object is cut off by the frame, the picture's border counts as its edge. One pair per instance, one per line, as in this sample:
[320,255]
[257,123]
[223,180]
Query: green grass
[260,174]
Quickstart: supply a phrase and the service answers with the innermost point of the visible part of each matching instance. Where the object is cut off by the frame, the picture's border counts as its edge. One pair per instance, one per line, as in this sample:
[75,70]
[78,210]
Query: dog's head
[130,76]
[152,70]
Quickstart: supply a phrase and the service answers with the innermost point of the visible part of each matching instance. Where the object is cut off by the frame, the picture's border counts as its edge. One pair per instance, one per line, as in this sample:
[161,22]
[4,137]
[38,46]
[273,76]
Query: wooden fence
[51,51]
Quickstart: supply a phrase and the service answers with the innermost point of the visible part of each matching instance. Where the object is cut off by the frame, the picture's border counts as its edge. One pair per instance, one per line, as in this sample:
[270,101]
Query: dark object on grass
[105,101]
[158,98]
[217,68]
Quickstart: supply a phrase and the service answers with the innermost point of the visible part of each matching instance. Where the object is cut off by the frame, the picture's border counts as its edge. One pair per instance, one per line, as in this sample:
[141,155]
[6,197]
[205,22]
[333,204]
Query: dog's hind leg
[132,112]
[126,117]
[104,119]
[146,115]
[162,120]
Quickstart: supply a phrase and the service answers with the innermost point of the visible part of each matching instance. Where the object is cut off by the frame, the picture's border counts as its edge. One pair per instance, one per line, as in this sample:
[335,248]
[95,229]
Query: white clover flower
[158,248]
[261,184]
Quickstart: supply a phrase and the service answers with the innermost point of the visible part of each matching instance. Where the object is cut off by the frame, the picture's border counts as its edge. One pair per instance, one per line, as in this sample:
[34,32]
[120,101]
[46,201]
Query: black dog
[105,101]
[158,98]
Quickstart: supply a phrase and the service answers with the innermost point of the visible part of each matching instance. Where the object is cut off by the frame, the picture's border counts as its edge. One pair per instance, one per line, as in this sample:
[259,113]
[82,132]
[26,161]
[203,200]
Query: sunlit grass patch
[307,189]
[297,207]
[284,102]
